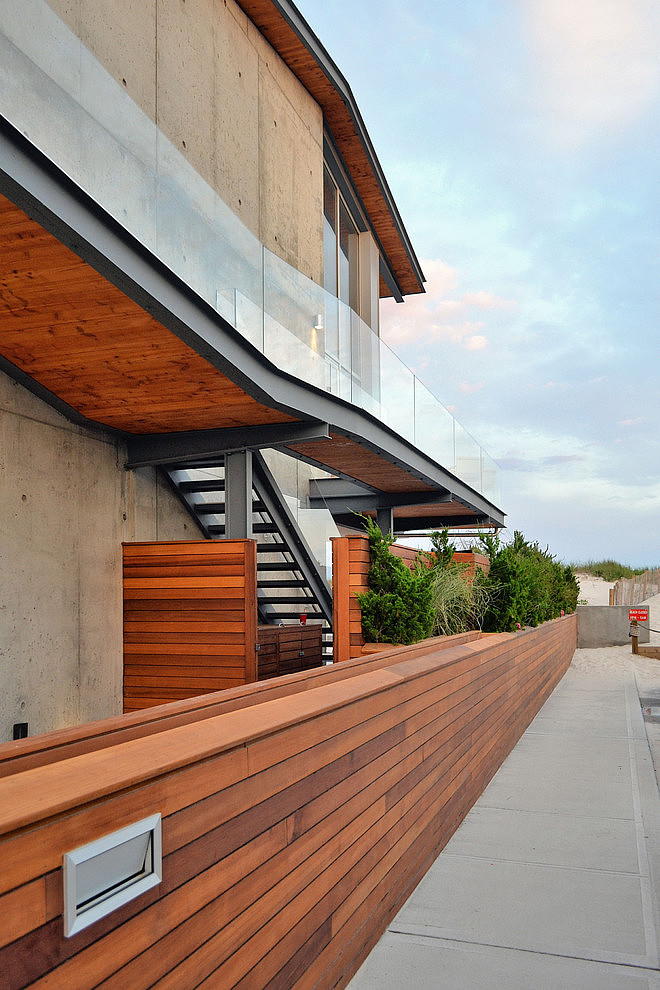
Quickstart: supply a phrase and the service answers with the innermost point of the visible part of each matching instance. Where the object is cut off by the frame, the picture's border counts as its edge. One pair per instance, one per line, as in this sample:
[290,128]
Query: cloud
[476,343]
[632,422]
[596,65]
[487,300]
[512,463]
[443,313]
[469,388]
[515,464]
[562,459]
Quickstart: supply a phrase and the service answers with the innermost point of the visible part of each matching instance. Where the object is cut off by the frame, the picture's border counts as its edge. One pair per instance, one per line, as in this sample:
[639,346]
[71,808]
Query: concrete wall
[606,625]
[226,100]
[66,505]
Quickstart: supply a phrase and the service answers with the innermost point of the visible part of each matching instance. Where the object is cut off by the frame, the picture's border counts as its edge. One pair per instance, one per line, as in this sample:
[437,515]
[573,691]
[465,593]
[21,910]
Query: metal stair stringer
[290,581]
[288,529]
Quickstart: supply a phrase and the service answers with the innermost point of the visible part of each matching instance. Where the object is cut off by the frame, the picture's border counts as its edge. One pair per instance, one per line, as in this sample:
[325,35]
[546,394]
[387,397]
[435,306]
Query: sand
[593,590]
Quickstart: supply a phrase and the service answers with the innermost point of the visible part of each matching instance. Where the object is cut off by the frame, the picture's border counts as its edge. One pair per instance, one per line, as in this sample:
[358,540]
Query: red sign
[641,614]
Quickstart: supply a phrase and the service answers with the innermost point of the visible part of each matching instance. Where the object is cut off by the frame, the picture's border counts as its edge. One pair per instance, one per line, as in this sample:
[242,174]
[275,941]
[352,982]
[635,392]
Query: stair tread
[283,583]
[286,600]
[289,573]
[201,486]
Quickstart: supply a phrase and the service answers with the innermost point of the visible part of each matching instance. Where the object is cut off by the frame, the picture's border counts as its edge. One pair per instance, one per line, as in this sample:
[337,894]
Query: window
[340,246]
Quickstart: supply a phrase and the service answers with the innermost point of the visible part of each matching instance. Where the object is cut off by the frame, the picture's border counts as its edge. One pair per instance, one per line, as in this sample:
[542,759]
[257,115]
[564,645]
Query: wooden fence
[190,619]
[350,569]
[190,623]
[298,814]
[637,589]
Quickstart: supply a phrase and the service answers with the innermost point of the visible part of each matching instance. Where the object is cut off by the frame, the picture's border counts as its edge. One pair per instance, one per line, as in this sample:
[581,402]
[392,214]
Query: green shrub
[527,585]
[398,606]
[524,587]
[609,570]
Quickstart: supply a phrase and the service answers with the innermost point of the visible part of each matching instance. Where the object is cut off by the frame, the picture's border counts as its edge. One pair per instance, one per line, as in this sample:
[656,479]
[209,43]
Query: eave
[294,41]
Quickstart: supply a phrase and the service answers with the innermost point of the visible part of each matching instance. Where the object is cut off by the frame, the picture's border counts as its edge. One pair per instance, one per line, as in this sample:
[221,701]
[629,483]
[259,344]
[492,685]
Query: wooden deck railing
[298,814]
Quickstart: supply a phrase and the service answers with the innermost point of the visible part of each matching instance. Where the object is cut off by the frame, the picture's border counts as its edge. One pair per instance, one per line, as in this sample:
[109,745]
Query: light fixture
[319,322]
[110,871]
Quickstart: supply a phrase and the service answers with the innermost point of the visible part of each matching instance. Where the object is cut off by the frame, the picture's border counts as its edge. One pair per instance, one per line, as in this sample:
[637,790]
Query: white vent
[109,872]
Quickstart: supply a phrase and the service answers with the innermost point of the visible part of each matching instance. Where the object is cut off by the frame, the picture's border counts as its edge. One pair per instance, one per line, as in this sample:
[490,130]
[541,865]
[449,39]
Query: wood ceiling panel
[80,337]
[445,509]
[355,461]
[75,333]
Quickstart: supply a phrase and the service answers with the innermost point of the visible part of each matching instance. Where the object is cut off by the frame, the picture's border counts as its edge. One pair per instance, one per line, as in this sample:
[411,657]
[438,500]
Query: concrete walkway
[553,880]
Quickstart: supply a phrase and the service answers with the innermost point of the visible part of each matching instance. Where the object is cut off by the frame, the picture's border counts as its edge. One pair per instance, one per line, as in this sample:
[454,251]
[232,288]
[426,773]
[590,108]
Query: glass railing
[58,95]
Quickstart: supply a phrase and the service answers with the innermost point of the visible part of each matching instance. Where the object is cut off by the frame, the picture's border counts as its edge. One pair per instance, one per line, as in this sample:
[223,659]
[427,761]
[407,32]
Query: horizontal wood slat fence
[190,623]
[190,619]
[298,814]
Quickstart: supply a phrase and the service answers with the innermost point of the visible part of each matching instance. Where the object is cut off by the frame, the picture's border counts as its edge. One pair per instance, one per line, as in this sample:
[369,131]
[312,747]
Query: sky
[521,142]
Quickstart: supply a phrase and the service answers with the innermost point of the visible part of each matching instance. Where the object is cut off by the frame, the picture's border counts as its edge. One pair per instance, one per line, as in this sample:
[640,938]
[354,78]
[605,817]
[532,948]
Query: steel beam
[202,445]
[238,495]
[339,495]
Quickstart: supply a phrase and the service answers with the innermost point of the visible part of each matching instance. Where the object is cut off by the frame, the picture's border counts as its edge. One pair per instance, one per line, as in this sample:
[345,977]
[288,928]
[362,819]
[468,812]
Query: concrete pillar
[369,280]
[238,495]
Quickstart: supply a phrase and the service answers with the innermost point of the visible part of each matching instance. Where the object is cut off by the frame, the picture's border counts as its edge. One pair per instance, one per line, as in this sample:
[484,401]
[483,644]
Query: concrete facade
[214,86]
[66,505]
[606,625]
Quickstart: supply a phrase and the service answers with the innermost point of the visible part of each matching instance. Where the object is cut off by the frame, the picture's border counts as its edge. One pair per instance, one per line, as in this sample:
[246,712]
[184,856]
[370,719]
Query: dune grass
[610,570]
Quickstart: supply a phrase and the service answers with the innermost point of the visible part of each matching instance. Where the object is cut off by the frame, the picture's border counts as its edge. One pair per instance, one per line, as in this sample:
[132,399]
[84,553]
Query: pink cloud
[468,389]
[487,300]
[442,313]
[476,343]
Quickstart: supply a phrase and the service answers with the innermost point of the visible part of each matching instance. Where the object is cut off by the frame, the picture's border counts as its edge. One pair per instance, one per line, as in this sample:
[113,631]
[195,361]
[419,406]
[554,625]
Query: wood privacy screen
[350,569]
[298,814]
[190,619]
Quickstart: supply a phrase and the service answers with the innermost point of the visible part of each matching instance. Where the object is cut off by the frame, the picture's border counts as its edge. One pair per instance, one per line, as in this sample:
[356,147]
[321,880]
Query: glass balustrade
[57,94]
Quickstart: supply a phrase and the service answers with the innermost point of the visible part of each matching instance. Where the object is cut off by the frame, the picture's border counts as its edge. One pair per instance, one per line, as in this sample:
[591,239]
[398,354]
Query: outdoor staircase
[290,582]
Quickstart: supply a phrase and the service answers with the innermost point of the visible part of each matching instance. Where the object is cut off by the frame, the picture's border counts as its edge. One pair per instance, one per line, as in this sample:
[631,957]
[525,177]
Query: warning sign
[641,614]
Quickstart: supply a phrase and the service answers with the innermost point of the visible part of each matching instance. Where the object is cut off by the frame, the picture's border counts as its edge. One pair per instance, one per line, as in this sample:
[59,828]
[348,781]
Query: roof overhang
[294,41]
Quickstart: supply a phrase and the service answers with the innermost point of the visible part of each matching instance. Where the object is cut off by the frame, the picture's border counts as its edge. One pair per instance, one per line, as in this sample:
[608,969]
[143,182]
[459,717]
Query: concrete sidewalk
[552,881]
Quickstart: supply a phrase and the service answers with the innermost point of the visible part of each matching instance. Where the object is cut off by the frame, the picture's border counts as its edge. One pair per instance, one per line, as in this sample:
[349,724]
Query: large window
[340,245]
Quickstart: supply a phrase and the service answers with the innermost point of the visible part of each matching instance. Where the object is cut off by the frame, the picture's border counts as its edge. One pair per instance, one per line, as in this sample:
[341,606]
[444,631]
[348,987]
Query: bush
[398,606]
[527,585]
[524,587]
[609,570]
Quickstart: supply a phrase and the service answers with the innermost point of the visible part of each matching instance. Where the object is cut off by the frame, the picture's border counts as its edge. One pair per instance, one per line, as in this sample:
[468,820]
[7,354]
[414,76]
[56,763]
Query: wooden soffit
[68,328]
[80,337]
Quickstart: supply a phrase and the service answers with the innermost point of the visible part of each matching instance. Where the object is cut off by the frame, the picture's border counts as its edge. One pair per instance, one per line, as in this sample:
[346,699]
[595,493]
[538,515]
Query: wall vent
[109,872]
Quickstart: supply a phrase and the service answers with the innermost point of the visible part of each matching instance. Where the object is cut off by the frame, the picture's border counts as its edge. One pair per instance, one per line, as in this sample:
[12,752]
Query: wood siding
[294,825]
[190,619]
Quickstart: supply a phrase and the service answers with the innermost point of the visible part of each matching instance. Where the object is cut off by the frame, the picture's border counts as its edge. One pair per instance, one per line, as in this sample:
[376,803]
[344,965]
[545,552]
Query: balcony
[69,107]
